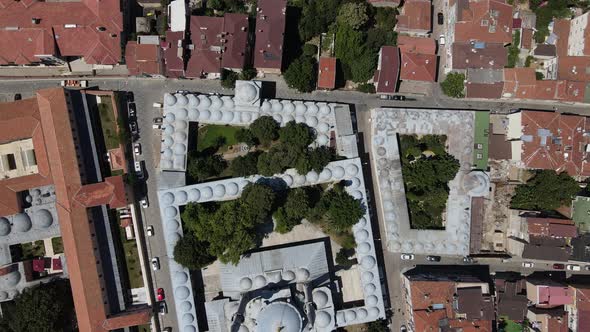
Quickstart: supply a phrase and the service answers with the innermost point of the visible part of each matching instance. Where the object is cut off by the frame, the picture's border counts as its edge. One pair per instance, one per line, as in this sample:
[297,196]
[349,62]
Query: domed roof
[182,292]
[289,275]
[10,280]
[243,328]
[4,227]
[246,92]
[322,319]
[259,281]
[187,318]
[245,283]
[279,316]
[43,218]
[320,298]
[21,222]
[302,274]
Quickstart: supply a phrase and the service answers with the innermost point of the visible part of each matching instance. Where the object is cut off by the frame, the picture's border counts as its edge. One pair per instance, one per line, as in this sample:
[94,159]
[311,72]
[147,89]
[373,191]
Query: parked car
[137,166]
[162,308]
[150,230]
[157,126]
[558,266]
[407,257]
[144,202]
[587,268]
[158,120]
[573,267]
[167,329]
[155,264]
[528,264]
[131,109]
[433,258]
[392,97]
[130,98]
[441,40]
[160,294]
[403,328]
[137,149]
[440,18]
[157,105]
[133,127]
[468,260]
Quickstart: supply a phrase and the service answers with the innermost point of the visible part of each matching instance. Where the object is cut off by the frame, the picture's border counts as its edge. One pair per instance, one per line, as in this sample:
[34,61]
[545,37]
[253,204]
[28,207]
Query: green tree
[385,17]
[228,79]
[192,253]
[246,136]
[353,53]
[296,135]
[344,211]
[353,14]
[244,165]
[316,16]
[203,167]
[546,191]
[378,326]
[265,128]
[248,73]
[314,159]
[44,307]
[277,160]
[302,74]
[310,50]
[453,85]
[539,76]
[366,88]
[343,258]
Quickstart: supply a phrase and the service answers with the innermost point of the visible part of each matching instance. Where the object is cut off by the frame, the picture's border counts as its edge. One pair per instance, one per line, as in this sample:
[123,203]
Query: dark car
[433,258]
[130,98]
[131,107]
[392,97]
[440,18]
[162,308]
[133,127]
[558,266]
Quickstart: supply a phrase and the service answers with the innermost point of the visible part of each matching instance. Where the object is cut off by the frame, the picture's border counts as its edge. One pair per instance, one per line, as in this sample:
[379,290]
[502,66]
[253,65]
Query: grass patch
[132,261]
[209,135]
[507,325]
[31,250]
[108,123]
[58,246]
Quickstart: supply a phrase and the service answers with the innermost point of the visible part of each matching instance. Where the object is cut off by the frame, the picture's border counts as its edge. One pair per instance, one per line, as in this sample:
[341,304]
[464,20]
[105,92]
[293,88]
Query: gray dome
[289,275]
[259,281]
[245,283]
[323,319]
[21,222]
[186,306]
[182,292]
[246,92]
[189,328]
[187,318]
[279,316]
[243,328]
[320,298]
[4,227]
[302,274]
[10,280]
[43,218]
[180,277]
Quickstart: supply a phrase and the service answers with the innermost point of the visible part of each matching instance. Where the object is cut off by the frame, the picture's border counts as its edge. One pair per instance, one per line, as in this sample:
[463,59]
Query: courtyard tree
[246,136]
[454,85]
[296,135]
[276,160]
[192,253]
[296,207]
[265,129]
[343,210]
[353,14]
[244,165]
[228,78]
[546,191]
[302,74]
[203,167]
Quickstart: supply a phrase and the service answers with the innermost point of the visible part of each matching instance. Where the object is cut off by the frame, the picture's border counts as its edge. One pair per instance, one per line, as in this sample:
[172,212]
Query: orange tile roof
[93,32]
[526,38]
[486,21]
[561,28]
[428,320]
[415,16]
[418,67]
[51,111]
[416,44]
[573,68]
[519,82]
[144,59]
[327,73]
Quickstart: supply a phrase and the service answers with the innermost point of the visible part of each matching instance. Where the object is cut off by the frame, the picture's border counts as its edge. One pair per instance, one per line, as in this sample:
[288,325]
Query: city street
[148,91]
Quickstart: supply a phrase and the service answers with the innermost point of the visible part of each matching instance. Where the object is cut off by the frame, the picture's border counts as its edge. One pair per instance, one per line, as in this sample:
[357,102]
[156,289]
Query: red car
[160,294]
[558,266]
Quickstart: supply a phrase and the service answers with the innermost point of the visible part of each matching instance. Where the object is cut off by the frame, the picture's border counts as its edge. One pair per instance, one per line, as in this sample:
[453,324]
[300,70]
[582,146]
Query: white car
[137,149]
[157,105]
[407,257]
[441,40]
[528,264]
[150,231]
[156,126]
[137,166]
[144,203]
[573,267]
[155,264]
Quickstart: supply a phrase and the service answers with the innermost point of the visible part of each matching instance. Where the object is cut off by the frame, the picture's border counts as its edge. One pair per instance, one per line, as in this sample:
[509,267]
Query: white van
[157,105]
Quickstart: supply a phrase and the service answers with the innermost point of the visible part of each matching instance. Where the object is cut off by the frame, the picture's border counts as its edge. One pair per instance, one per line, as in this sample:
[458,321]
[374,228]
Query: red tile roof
[270,30]
[235,27]
[554,295]
[49,35]
[551,227]
[416,44]
[416,16]
[173,54]
[327,73]
[484,90]
[386,75]
[526,39]
[39,264]
[561,28]
[486,20]
[418,67]
[563,150]
[573,68]
[519,82]
[143,59]
[480,55]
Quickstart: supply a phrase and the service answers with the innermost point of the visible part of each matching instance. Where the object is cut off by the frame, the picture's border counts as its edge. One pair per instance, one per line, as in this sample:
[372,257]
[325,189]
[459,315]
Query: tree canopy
[265,129]
[343,210]
[244,165]
[230,227]
[302,74]
[192,253]
[228,78]
[296,207]
[316,16]
[353,14]
[45,307]
[453,85]
[246,136]
[202,167]
[546,191]
[296,135]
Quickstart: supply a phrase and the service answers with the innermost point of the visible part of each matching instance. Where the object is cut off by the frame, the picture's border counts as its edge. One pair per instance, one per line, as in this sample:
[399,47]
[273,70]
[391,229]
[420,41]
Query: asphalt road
[147,91]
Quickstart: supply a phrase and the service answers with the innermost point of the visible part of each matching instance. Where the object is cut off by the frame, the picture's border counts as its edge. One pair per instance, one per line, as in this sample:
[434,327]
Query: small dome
[245,283]
[311,121]
[338,172]
[259,281]
[169,99]
[181,100]
[246,116]
[10,280]
[371,300]
[373,312]
[186,306]
[170,117]
[299,179]
[227,116]
[362,313]
[205,102]
[21,222]
[288,179]
[181,196]
[323,319]
[206,192]
[216,103]
[204,115]
[180,277]
[4,226]
[179,136]
[367,276]
[189,328]
[300,108]
[228,103]
[302,274]
[326,174]
[181,114]
[350,315]
[193,101]
[323,127]
[172,225]
[219,190]
[243,328]
[312,176]
[289,107]
[370,288]
[216,115]
[187,319]
[246,92]
[325,109]
[323,140]
[170,212]
[182,292]
[368,262]
[168,141]
[193,114]
[232,188]
[289,275]
[179,149]
[312,108]
[361,235]
[167,198]
[194,194]
[266,106]
[364,248]
[299,119]
[277,107]
[320,298]
[352,169]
